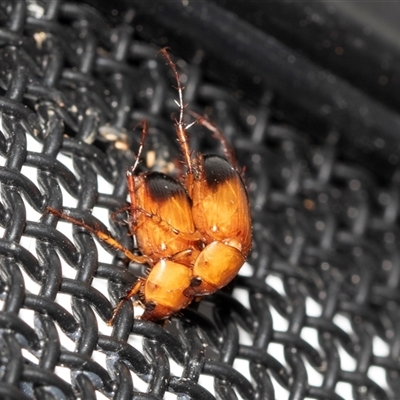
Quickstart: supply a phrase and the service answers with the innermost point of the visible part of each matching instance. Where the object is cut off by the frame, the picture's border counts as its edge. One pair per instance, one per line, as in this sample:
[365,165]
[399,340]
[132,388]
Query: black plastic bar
[235,49]
[346,38]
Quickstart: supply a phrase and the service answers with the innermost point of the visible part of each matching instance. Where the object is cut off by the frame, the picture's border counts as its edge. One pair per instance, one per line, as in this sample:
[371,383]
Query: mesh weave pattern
[325,230]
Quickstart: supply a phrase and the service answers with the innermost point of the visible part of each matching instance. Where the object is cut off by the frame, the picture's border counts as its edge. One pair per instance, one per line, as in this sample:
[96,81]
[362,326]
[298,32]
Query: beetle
[194,236]
[220,209]
[169,255]
[221,213]
[161,221]
[165,232]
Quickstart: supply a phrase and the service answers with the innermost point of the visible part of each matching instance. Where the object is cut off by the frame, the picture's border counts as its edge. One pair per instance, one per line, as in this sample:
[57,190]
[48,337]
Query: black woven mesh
[325,232]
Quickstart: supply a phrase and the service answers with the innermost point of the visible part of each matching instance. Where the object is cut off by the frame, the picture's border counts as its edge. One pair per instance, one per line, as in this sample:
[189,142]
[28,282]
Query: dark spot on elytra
[217,170]
[162,187]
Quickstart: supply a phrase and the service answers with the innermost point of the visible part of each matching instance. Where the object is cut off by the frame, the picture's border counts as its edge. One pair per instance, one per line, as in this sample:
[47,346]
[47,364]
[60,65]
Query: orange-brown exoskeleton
[164,229]
[194,238]
[220,209]
[161,221]
[221,213]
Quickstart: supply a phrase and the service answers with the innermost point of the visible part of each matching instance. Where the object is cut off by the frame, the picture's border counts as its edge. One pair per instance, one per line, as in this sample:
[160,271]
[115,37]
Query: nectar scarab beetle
[195,236]
[220,209]
[160,218]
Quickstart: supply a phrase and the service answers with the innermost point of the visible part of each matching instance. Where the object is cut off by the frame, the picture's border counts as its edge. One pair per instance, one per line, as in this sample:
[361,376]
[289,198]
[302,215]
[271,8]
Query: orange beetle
[220,209]
[221,214]
[194,240]
[164,229]
[161,220]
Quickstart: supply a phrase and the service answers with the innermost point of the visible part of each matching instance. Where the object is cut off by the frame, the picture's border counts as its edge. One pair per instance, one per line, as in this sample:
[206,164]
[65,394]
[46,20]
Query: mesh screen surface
[314,312]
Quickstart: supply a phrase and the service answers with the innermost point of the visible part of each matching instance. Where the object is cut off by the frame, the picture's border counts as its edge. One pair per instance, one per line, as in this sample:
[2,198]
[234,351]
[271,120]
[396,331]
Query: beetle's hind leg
[103,235]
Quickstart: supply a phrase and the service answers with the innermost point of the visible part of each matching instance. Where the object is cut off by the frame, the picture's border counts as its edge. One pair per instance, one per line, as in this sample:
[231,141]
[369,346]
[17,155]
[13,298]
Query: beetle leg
[132,211]
[132,292]
[103,236]
[119,211]
[179,124]
[226,146]
[186,257]
[131,179]
[193,236]
[181,254]
[145,130]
